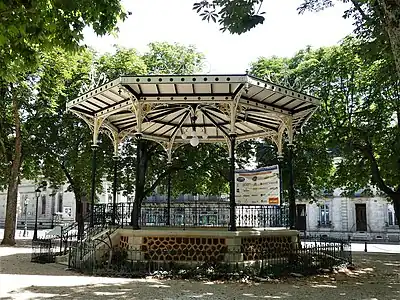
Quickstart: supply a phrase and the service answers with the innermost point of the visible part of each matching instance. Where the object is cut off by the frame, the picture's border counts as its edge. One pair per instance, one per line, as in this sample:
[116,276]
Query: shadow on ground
[376,276]
[20,264]
[172,289]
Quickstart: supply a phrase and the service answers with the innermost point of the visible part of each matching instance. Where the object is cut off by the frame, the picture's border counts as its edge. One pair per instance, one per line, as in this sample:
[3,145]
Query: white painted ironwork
[277,138]
[158,107]
[95,80]
[97,122]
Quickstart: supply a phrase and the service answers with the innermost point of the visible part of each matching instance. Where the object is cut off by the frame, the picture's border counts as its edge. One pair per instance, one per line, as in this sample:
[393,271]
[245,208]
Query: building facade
[54,206]
[360,218]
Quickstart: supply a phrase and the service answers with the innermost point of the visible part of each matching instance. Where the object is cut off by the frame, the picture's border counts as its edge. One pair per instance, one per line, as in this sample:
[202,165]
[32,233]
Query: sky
[283,33]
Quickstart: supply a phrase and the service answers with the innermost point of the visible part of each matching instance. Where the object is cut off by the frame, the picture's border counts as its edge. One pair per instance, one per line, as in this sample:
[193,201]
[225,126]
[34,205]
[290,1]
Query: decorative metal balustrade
[44,251]
[178,214]
[251,260]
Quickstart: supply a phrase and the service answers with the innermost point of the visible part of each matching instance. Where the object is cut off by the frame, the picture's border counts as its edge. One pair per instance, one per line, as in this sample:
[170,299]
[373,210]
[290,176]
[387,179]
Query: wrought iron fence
[195,214]
[213,214]
[343,244]
[305,259]
[43,251]
[69,236]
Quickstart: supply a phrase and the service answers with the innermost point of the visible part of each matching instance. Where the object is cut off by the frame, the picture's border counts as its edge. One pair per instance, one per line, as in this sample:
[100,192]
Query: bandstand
[180,109]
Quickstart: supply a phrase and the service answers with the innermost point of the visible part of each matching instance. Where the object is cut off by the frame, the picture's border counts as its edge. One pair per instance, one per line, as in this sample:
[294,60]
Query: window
[60,202]
[53,203]
[392,220]
[324,215]
[43,204]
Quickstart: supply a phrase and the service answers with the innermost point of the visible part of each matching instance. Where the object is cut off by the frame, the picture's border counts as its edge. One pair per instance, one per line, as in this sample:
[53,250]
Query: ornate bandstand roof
[173,108]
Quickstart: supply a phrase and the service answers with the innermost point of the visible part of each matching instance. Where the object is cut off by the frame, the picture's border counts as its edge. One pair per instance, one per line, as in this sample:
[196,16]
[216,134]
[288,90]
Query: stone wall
[205,245]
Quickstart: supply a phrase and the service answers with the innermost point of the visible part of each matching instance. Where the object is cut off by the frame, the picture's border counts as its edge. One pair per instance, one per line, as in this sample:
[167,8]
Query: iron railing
[181,215]
[214,214]
[43,251]
[70,235]
[344,245]
[305,259]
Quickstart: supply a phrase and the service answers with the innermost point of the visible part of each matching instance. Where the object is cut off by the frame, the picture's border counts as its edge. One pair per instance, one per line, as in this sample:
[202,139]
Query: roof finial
[247,71]
[95,79]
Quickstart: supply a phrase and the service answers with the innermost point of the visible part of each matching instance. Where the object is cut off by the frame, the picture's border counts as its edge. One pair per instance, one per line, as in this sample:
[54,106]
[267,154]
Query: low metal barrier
[180,215]
[344,245]
[43,251]
[307,259]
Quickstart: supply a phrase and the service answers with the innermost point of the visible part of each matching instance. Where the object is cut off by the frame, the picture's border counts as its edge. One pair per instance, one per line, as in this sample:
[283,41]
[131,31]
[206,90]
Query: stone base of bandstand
[247,247]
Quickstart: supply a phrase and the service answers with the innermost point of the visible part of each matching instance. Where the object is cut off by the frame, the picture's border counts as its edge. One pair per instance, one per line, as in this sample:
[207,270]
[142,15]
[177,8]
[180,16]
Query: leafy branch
[236,17]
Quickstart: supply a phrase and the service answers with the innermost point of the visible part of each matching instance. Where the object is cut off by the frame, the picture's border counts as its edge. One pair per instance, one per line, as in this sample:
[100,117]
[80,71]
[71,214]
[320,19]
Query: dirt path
[377,277]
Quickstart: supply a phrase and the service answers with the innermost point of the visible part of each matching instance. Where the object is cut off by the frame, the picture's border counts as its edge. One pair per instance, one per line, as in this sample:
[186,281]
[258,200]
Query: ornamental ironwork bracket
[95,80]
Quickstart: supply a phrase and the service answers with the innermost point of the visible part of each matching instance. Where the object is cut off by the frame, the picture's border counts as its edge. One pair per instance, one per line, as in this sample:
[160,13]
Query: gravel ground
[377,276]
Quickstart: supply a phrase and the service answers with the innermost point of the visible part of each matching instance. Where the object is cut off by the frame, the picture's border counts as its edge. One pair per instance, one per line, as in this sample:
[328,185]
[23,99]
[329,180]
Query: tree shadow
[146,290]
[374,276]
[20,263]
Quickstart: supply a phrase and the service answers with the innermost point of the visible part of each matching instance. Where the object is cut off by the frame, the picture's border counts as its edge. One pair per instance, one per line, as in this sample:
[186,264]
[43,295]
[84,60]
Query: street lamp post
[37,191]
[26,211]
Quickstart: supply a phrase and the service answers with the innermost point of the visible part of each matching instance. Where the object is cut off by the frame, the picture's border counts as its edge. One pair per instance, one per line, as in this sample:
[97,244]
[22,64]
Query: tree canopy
[236,17]
[357,121]
[26,103]
[376,22]
[69,137]
[29,27]
[357,81]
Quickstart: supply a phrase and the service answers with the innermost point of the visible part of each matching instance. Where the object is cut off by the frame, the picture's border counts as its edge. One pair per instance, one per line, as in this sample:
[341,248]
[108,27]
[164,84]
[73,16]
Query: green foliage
[164,58]
[36,93]
[360,101]
[27,102]
[27,28]
[68,152]
[123,62]
[376,22]
[312,161]
[235,16]
[59,131]
[204,170]
[357,121]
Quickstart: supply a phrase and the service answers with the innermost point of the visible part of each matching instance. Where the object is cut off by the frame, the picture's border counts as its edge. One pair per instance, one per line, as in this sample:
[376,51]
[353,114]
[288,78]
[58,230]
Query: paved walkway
[19,234]
[371,247]
[377,277]
[375,248]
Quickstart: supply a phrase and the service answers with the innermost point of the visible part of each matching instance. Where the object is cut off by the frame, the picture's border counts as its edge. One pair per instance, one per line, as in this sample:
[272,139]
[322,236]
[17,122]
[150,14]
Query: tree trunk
[140,183]
[391,11]
[79,216]
[368,152]
[12,192]
[78,200]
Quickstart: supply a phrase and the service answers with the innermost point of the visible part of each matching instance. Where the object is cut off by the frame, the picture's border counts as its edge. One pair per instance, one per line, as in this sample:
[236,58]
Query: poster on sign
[260,186]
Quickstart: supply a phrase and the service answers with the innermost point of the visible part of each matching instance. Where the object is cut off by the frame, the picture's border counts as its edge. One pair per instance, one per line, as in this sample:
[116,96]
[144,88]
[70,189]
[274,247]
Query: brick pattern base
[265,247]
[184,248]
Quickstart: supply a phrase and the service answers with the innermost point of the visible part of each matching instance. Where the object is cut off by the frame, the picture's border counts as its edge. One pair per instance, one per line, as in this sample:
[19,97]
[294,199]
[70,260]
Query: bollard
[365,247]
